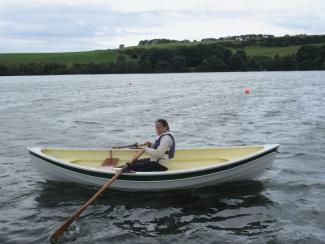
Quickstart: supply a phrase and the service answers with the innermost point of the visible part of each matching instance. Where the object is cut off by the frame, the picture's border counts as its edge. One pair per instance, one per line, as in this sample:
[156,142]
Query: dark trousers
[145,165]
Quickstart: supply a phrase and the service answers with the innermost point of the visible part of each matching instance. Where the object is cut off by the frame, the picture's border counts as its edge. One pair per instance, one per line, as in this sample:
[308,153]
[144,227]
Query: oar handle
[135,145]
[69,221]
[127,146]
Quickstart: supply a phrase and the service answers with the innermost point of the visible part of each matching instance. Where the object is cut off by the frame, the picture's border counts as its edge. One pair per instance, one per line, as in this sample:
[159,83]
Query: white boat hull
[244,169]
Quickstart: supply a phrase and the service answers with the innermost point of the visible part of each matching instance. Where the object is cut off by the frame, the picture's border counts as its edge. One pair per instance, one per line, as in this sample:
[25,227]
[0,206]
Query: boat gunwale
[173,174]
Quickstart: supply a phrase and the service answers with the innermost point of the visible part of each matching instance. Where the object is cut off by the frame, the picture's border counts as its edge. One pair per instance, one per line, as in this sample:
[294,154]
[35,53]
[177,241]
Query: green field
[68,58]
[271,51]
[250,51]
[105,56]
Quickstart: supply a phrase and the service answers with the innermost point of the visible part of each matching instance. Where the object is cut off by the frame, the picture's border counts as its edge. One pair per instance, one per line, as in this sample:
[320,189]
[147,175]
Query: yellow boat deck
[184,158]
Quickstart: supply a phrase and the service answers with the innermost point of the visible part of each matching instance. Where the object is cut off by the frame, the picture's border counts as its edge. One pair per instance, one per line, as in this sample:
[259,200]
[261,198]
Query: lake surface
[286,205]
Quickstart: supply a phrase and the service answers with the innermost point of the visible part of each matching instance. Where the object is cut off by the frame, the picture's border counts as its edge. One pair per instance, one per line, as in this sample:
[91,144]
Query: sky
[80,25]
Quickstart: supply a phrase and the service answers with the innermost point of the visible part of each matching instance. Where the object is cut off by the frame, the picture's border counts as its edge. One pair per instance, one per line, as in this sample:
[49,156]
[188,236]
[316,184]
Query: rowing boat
[190,168]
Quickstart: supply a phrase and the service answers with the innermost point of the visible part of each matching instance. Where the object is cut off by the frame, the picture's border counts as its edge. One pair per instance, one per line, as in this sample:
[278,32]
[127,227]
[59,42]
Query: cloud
[73,25]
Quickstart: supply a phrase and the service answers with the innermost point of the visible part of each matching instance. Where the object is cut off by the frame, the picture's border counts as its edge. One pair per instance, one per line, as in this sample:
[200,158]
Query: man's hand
[148,143]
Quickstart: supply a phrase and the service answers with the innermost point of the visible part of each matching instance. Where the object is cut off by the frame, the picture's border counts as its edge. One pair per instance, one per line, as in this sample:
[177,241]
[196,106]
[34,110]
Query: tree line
[242,41]
[196,58]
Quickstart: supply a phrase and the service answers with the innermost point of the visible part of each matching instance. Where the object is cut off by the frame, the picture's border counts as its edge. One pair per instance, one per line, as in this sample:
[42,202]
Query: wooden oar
[135,145]
[69,221]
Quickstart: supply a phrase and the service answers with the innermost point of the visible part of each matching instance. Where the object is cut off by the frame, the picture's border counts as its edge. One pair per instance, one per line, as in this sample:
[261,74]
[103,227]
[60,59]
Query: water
[210,109]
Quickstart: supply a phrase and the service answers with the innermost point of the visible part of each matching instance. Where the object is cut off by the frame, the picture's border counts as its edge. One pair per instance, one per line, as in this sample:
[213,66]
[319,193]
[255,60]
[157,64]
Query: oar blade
[56,235]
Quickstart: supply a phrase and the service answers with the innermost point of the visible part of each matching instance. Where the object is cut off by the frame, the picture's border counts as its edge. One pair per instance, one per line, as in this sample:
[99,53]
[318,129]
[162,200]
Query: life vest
[171,152]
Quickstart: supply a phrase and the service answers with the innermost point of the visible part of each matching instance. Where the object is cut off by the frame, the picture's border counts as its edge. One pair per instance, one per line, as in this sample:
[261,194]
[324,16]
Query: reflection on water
[167,213]
[246,192]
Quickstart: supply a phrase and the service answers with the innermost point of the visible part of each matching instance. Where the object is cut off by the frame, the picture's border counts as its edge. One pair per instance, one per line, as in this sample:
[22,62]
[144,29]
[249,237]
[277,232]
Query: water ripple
[207,109]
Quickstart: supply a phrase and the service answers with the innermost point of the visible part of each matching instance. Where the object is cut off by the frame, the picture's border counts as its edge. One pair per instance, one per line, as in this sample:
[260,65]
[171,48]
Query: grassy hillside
[102,56]
[250,50]
[106,56]
[272,51]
